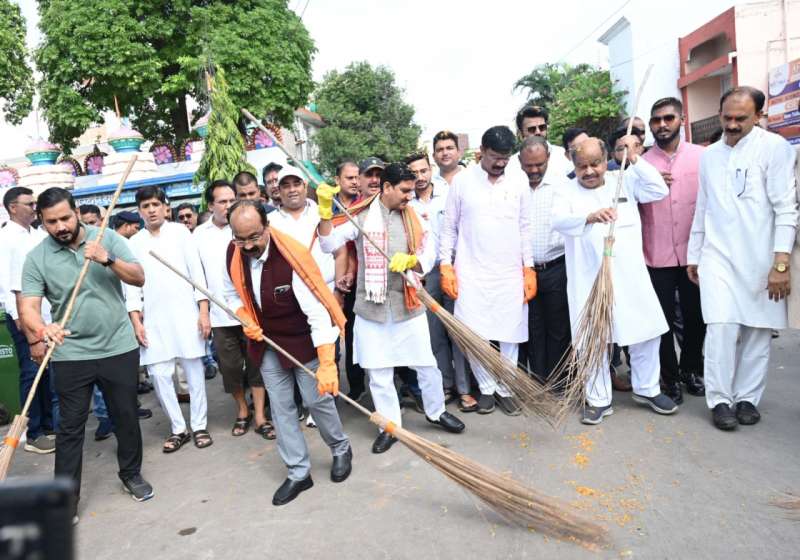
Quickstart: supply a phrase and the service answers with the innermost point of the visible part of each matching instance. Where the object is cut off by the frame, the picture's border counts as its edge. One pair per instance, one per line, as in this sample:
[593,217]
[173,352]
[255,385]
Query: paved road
[666,487]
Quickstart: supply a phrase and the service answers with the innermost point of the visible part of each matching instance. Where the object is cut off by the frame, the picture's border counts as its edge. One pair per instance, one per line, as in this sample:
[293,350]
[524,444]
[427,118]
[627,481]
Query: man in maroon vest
[277,289]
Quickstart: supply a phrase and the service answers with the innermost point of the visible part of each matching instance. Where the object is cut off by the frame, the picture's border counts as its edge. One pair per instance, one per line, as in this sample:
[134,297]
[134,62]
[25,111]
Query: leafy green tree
[365,115]
[16,79]
[224,154]
[151,54]
[581,95]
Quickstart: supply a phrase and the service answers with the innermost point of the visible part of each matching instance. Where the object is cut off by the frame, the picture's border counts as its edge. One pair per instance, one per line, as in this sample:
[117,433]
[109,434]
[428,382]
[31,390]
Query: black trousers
[118,378]
[355,373]
[549,333]
[665,282]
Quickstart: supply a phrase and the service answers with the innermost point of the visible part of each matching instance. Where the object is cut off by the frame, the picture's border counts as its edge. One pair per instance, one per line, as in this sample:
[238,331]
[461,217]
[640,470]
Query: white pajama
[384,394]
[645,374]
[487,384]
[736,360]
[161,376]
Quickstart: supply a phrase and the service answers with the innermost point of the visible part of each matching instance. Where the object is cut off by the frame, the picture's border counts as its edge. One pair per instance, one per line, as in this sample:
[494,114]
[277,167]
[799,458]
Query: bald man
[581,213]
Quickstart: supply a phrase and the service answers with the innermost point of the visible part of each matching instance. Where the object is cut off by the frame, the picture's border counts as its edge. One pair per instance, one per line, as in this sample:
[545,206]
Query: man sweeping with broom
[277,290]
[580,209]
[390,328]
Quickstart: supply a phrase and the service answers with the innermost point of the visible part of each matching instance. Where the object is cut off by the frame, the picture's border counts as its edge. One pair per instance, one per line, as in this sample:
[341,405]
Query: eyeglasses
[668,119]
[184,217]
[252,239]
[537,128]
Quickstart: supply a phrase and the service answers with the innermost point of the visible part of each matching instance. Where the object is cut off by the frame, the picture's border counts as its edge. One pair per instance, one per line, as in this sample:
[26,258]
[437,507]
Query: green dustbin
[9,369]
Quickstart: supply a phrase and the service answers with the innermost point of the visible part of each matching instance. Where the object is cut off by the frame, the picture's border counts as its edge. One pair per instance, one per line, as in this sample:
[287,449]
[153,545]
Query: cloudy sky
[456,60]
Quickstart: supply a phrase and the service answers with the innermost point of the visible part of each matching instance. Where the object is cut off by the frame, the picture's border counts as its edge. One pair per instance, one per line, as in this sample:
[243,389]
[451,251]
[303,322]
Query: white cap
[290,171]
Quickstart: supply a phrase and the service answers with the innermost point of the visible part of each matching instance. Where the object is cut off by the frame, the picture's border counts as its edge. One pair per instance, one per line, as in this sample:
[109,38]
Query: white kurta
[746,211]
[637,313]
[487,227]
[168,303]
[212,244]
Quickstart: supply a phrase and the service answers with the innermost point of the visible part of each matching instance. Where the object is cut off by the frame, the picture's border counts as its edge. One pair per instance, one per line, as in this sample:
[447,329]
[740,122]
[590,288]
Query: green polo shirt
[99,322]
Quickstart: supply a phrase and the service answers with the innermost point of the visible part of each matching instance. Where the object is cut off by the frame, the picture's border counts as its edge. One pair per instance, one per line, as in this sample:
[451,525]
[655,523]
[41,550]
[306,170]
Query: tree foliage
[224,154]
[152,53]
[16,78]
[581,95]
[365,115]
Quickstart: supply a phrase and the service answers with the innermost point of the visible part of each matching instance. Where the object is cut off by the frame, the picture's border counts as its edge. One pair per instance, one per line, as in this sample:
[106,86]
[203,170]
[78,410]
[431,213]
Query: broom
[511,499]
[589,351]
[20,422]
[533,397]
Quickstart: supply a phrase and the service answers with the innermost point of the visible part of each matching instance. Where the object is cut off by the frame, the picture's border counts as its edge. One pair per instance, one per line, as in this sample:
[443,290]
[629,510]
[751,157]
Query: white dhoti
[487,384]
[645,374]
[161,376]
[736,362]
[380,347]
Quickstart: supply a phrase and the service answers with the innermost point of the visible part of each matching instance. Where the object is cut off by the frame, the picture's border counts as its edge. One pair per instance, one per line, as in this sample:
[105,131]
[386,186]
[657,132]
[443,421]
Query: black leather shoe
[144,413]
[673,391]
[342,466]
[723,417]
[290,489]
[747,414]
[383,443]
[449,423]
[694,384]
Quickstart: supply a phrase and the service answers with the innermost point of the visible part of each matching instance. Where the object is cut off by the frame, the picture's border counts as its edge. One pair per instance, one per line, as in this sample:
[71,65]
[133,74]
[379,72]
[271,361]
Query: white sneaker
[310,422]
[41,445]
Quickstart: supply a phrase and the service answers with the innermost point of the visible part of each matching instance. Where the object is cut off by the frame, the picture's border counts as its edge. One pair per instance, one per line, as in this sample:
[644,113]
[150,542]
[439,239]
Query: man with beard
[17,239]
[428,202]
[445,155]
[549,333]
[743,231]
[369,176]
[581,212]
[277,289]
[390,328]
[270,176]
[486,257]
[666,225]
[171,323]
[98,344]
[348,181]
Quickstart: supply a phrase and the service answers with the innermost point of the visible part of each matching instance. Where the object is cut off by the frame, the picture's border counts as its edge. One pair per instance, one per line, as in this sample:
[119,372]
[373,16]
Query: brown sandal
[466,403]
[202,439]
[175,442]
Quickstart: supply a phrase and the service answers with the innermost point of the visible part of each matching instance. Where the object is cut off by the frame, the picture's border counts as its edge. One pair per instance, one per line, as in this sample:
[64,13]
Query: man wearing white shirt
[549,333]
[742,234]
[17,238]
[486,257]
[176,319]
[446,156]
[212,240]
[581,210]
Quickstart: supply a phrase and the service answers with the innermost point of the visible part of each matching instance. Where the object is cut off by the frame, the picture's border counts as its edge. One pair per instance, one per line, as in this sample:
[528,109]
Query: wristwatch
[110,260]
[781,267]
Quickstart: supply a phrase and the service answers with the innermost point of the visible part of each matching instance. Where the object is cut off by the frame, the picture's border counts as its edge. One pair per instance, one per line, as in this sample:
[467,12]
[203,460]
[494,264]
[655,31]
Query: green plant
[16,78]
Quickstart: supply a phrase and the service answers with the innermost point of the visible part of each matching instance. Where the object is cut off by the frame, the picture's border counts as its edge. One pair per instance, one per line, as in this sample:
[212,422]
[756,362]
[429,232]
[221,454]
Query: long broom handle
[310,179]
[638,98]
[84,269]
[211,297]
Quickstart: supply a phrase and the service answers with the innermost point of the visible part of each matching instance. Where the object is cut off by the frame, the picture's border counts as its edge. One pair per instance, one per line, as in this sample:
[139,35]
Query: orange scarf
[302,263]
[414,232]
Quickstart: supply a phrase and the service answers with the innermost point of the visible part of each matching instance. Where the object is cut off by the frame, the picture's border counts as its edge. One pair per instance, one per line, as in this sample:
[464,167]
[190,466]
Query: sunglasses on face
[668,119]
[537,128]
[184,217]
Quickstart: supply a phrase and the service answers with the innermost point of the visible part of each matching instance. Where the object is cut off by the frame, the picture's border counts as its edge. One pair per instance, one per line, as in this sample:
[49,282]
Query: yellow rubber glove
[325,195]
[327,373]
[448,281]
[529,283]
[402,261]
[250,326]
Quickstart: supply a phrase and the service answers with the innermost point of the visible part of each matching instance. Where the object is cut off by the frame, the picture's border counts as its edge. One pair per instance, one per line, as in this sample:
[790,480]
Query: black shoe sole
[449,429]
[342,477]
[378,451]
[726,427]
[300,490]
[135,497]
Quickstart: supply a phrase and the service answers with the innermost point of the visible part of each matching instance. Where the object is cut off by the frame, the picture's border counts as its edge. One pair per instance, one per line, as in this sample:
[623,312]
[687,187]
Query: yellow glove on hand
[249,325]
[325,194]
[402,261]
[327,373]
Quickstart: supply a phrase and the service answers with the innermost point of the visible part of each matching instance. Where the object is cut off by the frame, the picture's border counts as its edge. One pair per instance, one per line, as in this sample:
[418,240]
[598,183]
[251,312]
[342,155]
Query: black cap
[127,217]
[369,163]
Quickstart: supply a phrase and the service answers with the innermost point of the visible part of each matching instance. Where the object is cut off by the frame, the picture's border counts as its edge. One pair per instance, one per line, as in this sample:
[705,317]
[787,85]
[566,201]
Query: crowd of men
[511,246]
